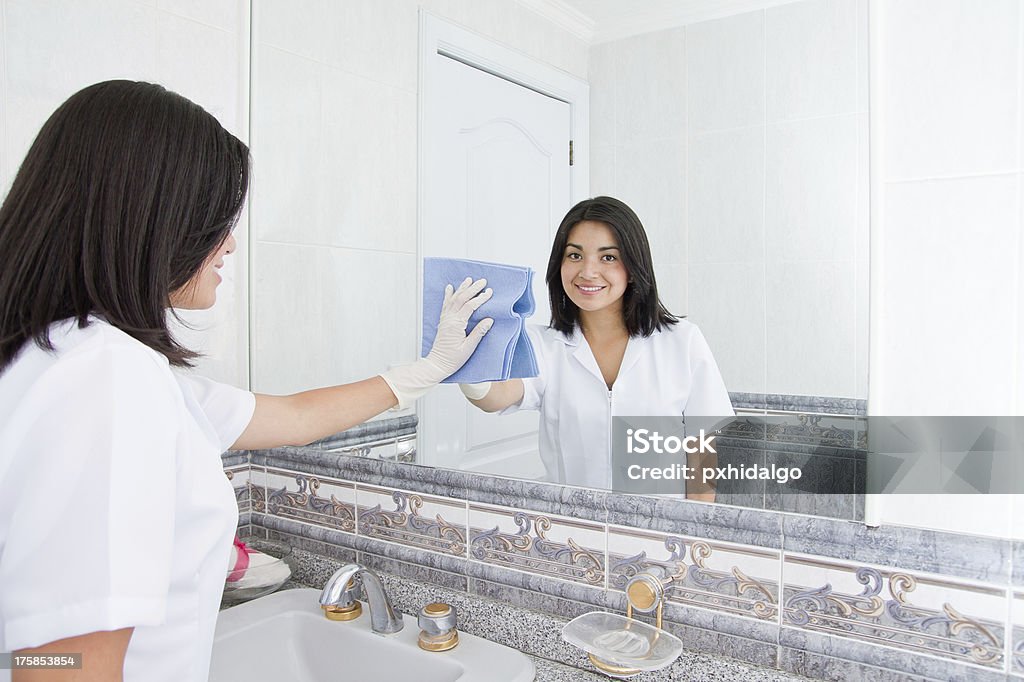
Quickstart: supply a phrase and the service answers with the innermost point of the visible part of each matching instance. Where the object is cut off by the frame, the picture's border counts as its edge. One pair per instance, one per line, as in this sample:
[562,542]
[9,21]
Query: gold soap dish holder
[622,646]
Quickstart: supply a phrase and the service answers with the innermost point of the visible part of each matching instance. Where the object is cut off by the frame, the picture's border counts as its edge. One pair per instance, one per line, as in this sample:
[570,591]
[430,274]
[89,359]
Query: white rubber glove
[475,391]
[452,346]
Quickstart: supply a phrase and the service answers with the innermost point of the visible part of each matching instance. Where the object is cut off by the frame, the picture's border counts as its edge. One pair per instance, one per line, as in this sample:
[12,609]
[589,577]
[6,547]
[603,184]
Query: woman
[116,520]
[612,349]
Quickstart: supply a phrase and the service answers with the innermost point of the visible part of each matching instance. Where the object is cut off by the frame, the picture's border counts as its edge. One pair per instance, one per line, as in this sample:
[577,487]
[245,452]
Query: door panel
[496,185]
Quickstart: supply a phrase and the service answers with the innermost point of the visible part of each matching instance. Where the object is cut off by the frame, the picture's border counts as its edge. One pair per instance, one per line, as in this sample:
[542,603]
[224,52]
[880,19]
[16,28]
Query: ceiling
[599,21]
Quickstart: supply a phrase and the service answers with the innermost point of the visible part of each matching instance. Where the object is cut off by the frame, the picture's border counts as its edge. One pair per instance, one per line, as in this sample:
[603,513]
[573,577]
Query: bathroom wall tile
[812,59]
[368,164]
[317,560]
[602,170]
[432,523]
[650,176]
[957,555]
[919,292]
[603,85]
[911,611]
[953,78]
[227,15]
[827,485]
[533,599]
[862,257]
[650,92]
[672,287]
[286,131]
[544,544]
[414,571]
[728,578]
[6,162]
[319,318]
[810,208]
[818,360]
[210,76]
[726,196]
[1017,640]
[735,491]
[835,658]
[312,499]
[725,73]
[286,25]
[355,30]
[257,488]
[727,302]
[239,477]
[56,47]
[863,51]
[1017,557]
[709,521]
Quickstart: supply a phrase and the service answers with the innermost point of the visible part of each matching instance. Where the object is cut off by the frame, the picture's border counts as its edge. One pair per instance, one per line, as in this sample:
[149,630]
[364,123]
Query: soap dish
[622,647]
[268,570]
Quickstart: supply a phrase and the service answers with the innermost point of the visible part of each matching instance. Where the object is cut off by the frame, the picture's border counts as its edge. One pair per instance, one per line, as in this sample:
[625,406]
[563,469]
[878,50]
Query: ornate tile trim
[1017,641]
[694,582]
[299,496]
[444,531]
[884,612]
[530,549]
[239,477]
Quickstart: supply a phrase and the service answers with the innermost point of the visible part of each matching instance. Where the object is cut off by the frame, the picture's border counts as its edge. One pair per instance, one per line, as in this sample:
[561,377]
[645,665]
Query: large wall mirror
[740,141]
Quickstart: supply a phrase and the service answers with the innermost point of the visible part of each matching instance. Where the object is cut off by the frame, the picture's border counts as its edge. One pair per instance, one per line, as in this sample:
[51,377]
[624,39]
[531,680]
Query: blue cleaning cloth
[505,352]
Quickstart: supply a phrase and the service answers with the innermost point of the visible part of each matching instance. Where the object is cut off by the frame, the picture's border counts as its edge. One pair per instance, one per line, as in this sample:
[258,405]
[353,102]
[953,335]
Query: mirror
[740,141]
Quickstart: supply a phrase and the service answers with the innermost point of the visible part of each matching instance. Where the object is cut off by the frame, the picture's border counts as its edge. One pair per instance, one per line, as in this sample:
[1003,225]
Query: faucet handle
[437,623]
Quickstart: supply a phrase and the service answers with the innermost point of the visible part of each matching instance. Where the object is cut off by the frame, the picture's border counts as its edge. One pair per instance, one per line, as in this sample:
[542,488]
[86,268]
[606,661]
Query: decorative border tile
[239,477]
[543,544]
[924,614]
[312,499]
[798,403]
[1017,639]
[728,578]
[431,523]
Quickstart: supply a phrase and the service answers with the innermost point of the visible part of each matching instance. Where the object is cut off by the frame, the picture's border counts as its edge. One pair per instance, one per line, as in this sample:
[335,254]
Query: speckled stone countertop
[536,634]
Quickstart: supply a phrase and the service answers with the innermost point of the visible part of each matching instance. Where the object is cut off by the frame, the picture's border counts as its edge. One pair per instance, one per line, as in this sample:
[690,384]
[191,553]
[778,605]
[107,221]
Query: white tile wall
[650,176]
[53,48]
[349,309]
[811,189]
[811,59]
[650,92]
[775,172]
[950,90]
[725,61]
[949,322]
[726,192]
[727,302]
[810,328]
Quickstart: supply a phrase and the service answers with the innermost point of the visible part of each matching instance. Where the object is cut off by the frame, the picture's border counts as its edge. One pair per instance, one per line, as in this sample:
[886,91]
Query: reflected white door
[496,185]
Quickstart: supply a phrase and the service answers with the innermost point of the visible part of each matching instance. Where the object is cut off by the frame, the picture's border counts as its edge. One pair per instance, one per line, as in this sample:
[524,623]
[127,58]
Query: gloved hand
[475,391]
[452,346]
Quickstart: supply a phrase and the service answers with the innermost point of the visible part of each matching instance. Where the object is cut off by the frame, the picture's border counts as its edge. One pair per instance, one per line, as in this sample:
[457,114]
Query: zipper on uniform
[608,448]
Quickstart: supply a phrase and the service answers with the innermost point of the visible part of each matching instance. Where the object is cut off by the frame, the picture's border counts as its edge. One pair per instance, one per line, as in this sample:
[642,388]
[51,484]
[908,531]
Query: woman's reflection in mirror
[612,348]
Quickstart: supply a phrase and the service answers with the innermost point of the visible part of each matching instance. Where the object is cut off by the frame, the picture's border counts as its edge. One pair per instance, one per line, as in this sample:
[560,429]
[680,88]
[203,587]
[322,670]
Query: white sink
[285,636]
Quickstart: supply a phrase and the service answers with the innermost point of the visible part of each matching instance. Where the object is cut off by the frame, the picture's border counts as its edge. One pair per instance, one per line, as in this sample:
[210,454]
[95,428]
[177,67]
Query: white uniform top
[671,372]
[114,508]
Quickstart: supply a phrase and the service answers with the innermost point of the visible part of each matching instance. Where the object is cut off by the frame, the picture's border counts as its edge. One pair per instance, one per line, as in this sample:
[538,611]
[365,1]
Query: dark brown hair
[642,310]
[125,193]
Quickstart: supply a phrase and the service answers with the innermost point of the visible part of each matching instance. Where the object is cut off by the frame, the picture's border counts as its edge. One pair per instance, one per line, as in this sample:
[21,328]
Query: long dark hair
[642,310]
[125,193]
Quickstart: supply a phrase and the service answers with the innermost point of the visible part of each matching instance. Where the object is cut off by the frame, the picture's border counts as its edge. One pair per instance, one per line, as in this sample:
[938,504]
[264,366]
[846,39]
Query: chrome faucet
[338,599]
